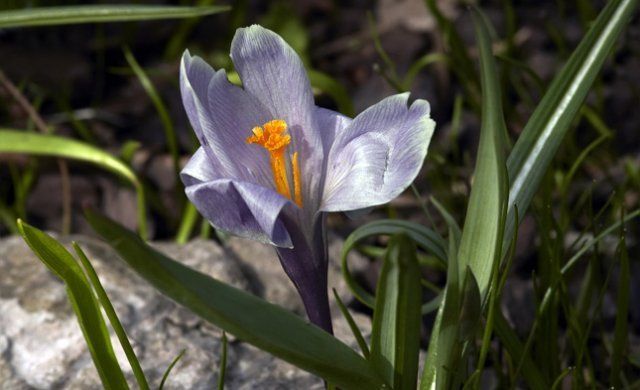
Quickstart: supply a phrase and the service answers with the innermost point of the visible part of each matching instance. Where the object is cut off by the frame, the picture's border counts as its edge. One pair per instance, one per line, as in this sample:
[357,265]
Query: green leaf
[14,141]
[481,239]
[51,16]
[83,301]
[479,252]
[267,326]
[543,133]
[395,334]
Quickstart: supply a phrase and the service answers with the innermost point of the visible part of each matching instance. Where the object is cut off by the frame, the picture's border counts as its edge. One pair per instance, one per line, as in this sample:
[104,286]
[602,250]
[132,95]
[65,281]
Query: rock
[41,345]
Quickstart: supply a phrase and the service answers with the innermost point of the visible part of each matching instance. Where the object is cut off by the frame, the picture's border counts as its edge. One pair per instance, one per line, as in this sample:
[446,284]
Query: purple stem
[306,265]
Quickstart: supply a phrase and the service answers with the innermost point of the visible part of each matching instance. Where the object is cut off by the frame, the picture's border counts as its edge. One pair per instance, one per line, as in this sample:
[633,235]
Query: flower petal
[378,155]
[330,123]
[222,116]
[273,73]
[243,209]
[199,169]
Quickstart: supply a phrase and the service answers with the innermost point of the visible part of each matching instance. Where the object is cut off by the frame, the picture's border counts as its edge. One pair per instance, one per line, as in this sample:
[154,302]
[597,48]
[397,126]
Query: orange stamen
[272,136]
[297,184]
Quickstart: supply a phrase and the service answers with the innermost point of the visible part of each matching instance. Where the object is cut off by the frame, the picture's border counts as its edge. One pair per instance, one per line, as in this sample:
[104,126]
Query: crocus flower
[272,164]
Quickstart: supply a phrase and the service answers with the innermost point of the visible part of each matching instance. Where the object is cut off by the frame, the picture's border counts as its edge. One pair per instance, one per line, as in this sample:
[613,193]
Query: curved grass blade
[14,141]
[175,361]
[395,334]
[543,133]
[267,326]
[51,16]
[84,303]
[424,237]
[103,298]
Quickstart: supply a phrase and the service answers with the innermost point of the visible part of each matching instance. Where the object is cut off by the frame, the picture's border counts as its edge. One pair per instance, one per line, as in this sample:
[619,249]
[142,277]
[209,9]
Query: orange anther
[273,137]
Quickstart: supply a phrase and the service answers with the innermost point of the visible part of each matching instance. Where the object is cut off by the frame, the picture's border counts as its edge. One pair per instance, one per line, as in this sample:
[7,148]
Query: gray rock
[41,345]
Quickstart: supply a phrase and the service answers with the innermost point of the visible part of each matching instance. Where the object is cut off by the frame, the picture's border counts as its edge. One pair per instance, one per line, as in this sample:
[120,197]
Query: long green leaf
[51,16]
[14,141]
[395,334]
[267,326]
[543,133]
[481,239]
[83,301]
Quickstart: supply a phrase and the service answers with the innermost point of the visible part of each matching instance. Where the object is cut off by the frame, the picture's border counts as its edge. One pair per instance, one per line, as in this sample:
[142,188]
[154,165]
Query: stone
[42,347]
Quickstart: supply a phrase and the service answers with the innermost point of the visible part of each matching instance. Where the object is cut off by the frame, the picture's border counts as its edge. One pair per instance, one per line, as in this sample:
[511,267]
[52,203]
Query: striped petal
[378,155]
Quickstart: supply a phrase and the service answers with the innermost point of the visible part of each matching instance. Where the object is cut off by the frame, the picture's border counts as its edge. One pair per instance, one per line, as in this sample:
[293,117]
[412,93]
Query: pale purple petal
[199,169]
[329,124]
[243,209]
[272,72]
[222,116]
[378,155]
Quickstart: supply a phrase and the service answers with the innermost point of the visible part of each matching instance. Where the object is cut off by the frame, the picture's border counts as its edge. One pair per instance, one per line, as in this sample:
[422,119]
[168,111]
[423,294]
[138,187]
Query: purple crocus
[272,164]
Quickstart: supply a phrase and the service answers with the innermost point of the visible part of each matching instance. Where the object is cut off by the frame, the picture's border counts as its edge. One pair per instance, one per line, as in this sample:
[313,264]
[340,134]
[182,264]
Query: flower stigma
[274,138]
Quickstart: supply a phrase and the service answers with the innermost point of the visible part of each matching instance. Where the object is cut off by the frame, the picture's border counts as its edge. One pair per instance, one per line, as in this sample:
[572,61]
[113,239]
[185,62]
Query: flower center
[274,138]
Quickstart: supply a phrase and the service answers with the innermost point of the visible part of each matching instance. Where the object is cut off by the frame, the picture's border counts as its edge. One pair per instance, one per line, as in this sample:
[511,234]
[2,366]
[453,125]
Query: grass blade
[395,334]
[163,113]
[51,16]
[530,371]
[267,326]
[175,361]
[14,141]
[222,370]
[113,317]
[543,133]
[84,303]
[621,336]
[189,218]
[352,325]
